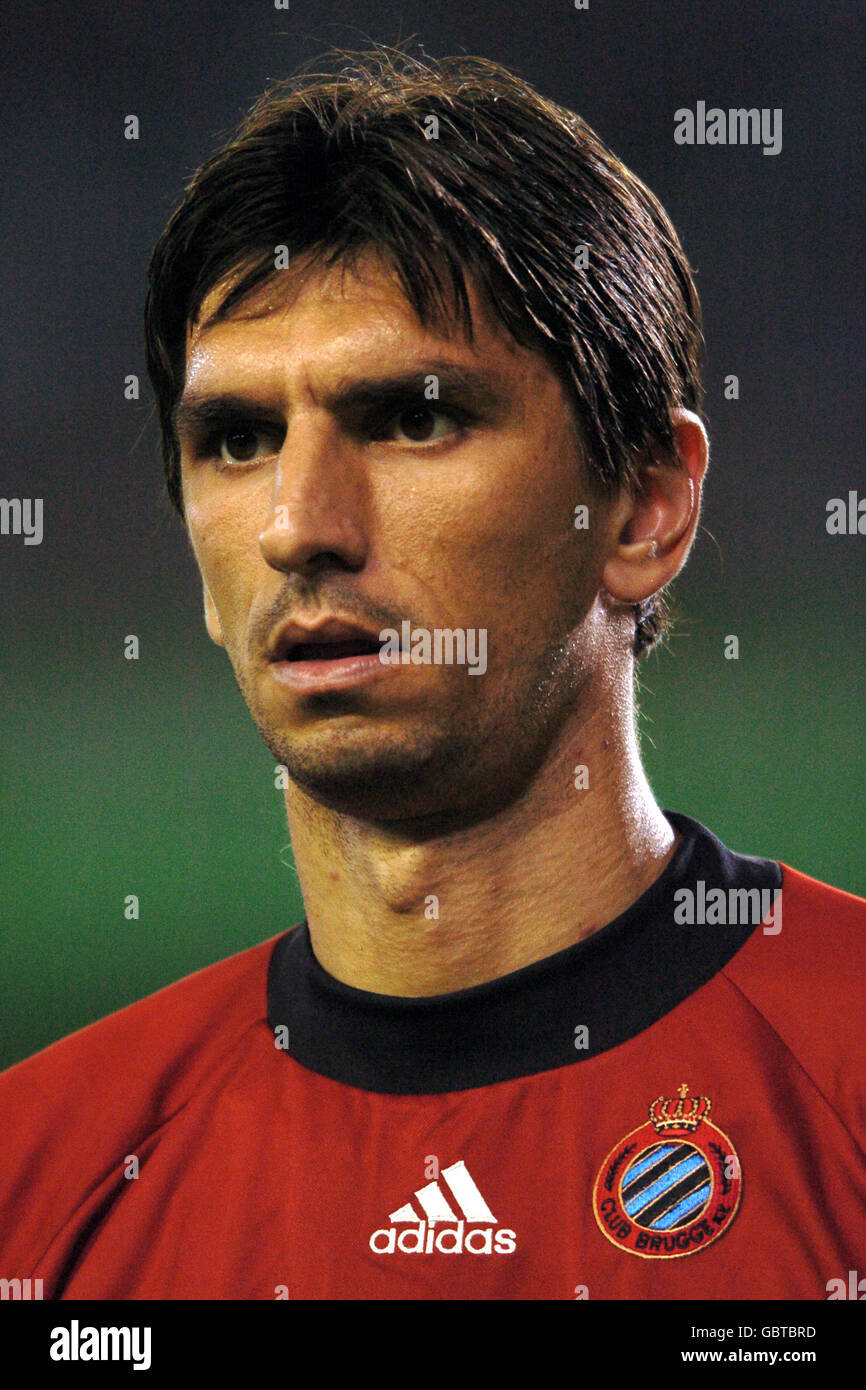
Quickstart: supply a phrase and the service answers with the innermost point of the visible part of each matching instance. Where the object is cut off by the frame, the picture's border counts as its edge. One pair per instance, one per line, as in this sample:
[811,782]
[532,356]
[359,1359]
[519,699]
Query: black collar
[615,983]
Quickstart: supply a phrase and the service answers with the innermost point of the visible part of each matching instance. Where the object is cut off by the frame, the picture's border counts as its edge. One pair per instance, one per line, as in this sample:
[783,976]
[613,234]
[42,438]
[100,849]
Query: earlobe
[654,527]
[211,619]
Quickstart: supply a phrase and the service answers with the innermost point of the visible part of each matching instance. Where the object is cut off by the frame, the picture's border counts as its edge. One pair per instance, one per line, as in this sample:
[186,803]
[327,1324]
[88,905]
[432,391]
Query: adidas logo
[420,1235]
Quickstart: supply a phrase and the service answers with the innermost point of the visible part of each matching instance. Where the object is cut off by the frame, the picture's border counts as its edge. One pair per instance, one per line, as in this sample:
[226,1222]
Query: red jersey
[672,1108]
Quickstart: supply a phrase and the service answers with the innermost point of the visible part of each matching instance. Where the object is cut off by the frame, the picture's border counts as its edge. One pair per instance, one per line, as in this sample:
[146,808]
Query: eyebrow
[197,411]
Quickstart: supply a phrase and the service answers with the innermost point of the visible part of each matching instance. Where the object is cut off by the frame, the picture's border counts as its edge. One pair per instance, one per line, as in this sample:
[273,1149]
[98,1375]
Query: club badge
[671,1187]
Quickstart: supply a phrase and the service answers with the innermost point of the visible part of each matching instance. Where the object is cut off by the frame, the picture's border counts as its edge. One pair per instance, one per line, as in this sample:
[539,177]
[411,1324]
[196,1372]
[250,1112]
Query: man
[426,359]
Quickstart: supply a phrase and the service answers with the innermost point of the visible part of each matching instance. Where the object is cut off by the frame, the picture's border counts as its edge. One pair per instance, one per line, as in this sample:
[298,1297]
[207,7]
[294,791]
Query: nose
[318,512]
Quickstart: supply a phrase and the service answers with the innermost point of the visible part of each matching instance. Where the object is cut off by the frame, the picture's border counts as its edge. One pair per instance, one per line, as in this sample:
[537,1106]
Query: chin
[379,790]
[369,778]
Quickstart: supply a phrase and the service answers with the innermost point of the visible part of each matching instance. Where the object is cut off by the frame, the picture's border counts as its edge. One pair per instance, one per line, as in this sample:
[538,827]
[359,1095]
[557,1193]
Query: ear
[654,527]
[211,619]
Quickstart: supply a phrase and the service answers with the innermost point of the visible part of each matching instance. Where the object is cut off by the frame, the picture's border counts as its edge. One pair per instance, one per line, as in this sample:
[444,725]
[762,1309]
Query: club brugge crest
[671,1187]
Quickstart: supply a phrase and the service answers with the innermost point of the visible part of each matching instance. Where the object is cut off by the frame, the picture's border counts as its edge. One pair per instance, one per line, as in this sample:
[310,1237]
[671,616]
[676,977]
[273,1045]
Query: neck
[397,915]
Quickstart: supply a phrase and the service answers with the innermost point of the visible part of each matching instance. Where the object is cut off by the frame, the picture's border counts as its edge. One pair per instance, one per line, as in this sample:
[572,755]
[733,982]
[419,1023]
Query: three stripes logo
[671,1187]
[448,1210]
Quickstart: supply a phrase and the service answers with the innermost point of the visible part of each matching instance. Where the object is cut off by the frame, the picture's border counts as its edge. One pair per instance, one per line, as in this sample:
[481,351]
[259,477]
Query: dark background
[148,776]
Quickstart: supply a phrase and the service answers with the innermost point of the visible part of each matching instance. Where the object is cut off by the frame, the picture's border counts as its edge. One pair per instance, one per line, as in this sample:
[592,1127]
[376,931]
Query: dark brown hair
[448,168]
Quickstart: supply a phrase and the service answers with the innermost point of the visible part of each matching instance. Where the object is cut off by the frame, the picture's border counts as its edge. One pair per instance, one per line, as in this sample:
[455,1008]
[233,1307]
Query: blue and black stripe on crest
[666,1186]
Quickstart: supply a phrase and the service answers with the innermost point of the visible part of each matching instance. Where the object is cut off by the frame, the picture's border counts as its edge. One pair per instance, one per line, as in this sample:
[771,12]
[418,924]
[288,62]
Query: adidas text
[448,1240]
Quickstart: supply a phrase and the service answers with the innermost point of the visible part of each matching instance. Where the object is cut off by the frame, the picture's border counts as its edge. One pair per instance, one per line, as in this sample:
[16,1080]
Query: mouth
[332,651]
[331,655]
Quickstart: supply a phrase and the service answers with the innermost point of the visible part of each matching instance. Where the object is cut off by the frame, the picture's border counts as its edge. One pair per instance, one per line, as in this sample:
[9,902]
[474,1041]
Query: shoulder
[74,1109]
[815,932]
[804,973]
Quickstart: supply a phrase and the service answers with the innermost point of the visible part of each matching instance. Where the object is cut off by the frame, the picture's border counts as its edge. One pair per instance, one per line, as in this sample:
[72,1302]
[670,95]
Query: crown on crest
[676,1112]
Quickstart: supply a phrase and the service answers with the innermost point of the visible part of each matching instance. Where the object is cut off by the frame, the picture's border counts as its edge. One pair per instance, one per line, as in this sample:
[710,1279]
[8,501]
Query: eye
[420,424]
[241,444]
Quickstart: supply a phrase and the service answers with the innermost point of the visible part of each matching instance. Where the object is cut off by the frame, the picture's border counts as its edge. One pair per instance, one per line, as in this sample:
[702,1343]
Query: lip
[336,674]
[332,673]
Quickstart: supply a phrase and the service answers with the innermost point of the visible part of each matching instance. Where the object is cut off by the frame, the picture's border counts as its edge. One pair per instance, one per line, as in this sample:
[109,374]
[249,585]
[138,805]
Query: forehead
[321,312]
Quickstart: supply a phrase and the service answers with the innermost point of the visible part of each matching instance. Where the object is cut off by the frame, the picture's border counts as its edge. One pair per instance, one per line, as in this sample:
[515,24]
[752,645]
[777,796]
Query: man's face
[329,496]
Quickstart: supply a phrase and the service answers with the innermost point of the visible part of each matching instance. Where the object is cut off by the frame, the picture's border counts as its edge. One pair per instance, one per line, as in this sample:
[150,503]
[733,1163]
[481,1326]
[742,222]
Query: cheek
[497,530]
[226,548]
[535,519]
